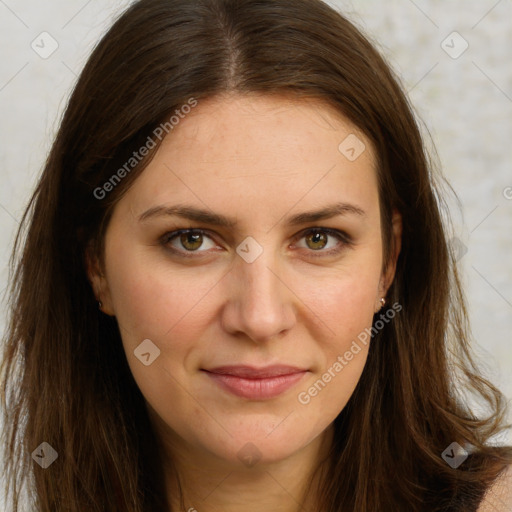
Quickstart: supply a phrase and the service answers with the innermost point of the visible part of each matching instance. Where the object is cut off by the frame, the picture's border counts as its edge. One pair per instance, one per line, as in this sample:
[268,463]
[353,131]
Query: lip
[256,383]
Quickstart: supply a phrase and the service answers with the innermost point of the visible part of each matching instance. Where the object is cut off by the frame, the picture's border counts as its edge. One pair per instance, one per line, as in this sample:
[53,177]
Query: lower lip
[257,389]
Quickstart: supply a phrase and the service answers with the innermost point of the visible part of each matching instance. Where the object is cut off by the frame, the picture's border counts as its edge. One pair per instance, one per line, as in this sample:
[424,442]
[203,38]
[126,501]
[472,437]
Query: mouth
[256,383]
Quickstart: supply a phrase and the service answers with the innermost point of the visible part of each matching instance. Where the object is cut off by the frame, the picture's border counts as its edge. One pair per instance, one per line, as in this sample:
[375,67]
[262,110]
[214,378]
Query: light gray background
[465,102]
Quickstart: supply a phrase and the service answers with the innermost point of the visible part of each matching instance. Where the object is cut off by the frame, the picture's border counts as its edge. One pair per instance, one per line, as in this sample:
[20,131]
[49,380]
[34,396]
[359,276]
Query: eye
[189,239]
[318,238]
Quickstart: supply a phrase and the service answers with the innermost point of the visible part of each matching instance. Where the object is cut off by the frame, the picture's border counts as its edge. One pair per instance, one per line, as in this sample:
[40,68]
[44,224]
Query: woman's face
[241,337]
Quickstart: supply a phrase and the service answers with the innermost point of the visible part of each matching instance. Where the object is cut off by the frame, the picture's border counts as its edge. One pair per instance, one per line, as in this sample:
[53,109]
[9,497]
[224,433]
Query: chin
[253,446]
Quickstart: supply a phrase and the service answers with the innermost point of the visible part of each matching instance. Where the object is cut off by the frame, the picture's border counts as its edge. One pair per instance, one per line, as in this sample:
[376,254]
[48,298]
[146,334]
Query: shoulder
[499,496]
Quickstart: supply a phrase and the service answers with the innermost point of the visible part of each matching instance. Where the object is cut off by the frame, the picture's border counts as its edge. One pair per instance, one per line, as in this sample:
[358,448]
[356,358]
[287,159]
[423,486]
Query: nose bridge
[260,304]
[259,283]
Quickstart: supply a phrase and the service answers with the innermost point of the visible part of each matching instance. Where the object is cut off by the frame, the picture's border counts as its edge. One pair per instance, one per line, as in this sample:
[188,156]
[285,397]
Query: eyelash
[346,241]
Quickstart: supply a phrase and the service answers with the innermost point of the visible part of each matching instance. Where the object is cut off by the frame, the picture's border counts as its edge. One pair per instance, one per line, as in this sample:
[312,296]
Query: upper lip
[252,372]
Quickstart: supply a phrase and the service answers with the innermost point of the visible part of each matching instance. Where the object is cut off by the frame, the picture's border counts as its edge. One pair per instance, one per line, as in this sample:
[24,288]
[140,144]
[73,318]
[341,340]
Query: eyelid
[345,240]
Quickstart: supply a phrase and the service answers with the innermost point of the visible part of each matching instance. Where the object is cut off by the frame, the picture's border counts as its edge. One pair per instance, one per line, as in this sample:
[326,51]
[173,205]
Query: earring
[100,304]
[383,301]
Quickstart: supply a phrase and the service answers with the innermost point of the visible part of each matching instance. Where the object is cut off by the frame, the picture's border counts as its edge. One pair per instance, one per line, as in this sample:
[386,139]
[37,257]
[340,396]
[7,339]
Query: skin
[258,159]
[499,496]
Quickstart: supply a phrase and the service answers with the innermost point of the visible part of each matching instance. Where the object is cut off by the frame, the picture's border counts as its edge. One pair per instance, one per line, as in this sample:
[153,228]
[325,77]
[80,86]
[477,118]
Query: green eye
[318,238]
[189,239]
[194,239]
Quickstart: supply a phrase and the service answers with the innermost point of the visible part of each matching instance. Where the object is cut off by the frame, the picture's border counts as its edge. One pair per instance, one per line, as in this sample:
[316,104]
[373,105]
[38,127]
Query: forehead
[273,151]
[259,127]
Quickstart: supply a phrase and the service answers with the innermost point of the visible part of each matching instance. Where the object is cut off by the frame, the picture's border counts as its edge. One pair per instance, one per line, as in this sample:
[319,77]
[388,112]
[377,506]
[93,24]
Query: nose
[261,304]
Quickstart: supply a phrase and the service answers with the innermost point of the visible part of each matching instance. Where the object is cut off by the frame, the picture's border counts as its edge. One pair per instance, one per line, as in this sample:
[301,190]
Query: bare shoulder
[499,497]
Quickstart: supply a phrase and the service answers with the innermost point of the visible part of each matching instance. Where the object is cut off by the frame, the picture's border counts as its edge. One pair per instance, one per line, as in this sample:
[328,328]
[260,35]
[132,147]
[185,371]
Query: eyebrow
[216,219]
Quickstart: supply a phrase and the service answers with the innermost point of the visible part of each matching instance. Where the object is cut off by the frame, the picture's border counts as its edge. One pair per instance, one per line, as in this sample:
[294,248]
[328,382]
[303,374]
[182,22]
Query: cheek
[151,300]
[346,306]
[345,302]
[172,309]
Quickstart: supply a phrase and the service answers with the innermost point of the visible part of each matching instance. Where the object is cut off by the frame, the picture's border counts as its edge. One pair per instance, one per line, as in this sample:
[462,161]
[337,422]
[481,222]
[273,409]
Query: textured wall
[460,84]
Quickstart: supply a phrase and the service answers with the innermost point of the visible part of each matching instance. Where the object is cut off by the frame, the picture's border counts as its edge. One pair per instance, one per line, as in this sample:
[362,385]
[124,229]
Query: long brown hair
[65,379]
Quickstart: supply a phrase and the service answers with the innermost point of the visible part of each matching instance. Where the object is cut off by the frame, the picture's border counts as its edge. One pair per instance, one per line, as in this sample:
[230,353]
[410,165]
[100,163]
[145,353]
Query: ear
[98,280]
[396,245]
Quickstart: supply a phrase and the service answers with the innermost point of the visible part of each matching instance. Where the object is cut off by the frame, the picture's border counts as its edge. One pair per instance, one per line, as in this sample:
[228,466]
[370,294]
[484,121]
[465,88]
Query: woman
[242,189]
